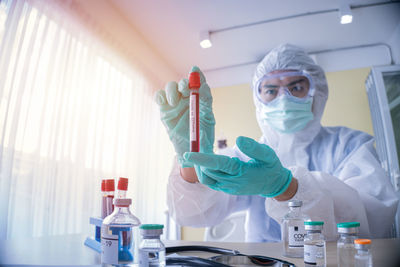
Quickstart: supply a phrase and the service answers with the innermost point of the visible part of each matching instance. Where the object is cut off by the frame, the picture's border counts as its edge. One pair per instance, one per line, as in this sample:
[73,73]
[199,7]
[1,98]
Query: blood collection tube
[97,235]
[194,85]
[103,199]
[122,187]
[110,188]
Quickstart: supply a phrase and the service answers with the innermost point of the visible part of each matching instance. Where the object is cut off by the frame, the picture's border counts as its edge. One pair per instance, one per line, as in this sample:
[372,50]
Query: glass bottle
[118,234]
[151,249]
[363,257]
[314,245]
[293,231]
[345,245]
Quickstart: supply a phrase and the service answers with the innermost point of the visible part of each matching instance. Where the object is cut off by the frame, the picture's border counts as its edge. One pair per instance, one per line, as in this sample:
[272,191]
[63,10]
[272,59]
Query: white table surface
[70,251]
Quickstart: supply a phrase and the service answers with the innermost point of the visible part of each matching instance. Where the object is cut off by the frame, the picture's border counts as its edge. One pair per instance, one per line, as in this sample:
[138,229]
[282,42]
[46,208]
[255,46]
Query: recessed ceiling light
[205,41]
[345,13]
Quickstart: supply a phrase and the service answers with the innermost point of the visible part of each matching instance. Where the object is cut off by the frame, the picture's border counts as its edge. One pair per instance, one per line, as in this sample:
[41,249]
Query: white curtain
[71,113]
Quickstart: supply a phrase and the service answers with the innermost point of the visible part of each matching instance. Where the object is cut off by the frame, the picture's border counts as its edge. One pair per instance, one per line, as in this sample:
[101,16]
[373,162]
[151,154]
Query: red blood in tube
[103,199]
[110,188]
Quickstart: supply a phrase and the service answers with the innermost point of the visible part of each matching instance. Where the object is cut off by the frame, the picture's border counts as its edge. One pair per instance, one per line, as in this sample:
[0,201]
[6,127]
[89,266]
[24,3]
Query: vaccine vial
[314,245]
[363,257]
[151,249]
[118,233]
[293,231]
[348,232]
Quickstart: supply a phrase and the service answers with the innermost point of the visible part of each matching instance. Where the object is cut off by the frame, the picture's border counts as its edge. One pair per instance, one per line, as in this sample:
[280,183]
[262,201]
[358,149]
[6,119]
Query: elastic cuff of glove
[283,189]
[184,163]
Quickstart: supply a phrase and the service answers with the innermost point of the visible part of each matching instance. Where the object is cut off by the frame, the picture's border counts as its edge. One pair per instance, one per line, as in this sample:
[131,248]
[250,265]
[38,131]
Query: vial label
[310,254]
[143,258]
[109,248]
[296,236]
[192,115]
[151,258]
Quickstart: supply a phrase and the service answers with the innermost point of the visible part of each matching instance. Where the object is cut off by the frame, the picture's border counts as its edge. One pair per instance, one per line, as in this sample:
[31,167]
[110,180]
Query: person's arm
[189,175]
[290,191]
[194,204]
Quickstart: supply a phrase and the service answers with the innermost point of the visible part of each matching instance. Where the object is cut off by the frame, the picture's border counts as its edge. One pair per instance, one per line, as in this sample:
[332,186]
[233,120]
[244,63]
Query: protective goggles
[294,83]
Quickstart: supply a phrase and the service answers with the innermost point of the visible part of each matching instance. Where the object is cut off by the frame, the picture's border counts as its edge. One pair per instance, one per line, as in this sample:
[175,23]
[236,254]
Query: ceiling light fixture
[205,41]
[345,13]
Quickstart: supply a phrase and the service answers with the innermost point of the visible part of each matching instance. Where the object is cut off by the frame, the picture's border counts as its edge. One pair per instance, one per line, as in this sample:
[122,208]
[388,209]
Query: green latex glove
[263,175]
[174,109]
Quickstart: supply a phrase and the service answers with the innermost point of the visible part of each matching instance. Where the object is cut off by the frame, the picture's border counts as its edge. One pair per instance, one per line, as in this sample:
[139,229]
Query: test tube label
[193,136]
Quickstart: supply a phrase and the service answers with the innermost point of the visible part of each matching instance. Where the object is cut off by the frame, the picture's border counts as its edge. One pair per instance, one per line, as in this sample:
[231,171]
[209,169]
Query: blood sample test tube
[122,187]
[103,199]
[110,188]
[194,120]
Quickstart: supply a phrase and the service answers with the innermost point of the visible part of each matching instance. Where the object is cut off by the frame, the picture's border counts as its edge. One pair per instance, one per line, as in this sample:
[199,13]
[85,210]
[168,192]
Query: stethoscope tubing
[196,261]
[222,251]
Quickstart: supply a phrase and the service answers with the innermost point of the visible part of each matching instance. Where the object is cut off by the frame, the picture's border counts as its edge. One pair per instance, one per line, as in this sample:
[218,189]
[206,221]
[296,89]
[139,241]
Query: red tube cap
[110,186]
[194,80]
[123,184]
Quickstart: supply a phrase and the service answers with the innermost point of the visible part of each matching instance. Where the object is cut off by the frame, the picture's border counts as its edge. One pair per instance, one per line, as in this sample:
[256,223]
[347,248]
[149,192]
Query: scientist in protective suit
[335,171]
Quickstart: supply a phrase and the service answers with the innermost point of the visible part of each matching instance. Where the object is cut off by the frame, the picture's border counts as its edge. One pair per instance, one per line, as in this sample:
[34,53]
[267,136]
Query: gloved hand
[262,175]
[174,109]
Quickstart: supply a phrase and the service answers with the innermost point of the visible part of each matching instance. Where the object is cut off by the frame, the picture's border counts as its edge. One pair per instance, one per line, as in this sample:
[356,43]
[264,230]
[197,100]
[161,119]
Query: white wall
[332,61]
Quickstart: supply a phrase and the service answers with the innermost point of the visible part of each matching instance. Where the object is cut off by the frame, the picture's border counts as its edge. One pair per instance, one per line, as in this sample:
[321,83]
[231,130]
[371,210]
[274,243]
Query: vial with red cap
[122,187]
[119,236]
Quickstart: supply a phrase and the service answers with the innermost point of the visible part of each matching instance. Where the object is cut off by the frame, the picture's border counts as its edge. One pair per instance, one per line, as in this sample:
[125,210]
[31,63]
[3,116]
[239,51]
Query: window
[72,112]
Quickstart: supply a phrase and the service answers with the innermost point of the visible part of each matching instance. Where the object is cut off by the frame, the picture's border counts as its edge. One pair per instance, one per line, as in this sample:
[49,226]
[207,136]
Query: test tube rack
[95,243]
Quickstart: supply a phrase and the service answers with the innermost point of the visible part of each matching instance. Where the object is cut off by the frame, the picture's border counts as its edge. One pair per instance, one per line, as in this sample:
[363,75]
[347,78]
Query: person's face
[272,87]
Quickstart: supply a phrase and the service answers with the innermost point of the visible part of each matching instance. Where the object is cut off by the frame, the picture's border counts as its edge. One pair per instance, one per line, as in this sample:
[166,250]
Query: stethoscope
[225,258]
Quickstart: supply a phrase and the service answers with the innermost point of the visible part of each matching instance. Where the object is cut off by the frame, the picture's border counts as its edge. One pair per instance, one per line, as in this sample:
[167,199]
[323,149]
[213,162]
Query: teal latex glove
[263,175]
[174,110]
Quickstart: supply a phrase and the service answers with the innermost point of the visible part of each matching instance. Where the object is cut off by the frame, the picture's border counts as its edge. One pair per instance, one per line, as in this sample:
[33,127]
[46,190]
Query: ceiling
[172,28]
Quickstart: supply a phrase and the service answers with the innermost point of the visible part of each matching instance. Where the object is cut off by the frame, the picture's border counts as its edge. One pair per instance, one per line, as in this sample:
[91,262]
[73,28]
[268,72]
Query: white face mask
[287,114]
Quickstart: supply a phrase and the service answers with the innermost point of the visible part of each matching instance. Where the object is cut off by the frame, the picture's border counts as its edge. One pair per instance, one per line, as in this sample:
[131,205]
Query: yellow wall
[348,102]
[235,113]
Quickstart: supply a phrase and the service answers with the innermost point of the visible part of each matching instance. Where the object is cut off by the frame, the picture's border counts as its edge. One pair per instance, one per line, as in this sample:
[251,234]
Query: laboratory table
[70,251]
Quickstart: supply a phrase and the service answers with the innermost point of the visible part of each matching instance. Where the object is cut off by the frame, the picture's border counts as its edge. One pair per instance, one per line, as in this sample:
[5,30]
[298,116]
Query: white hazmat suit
[339,176]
